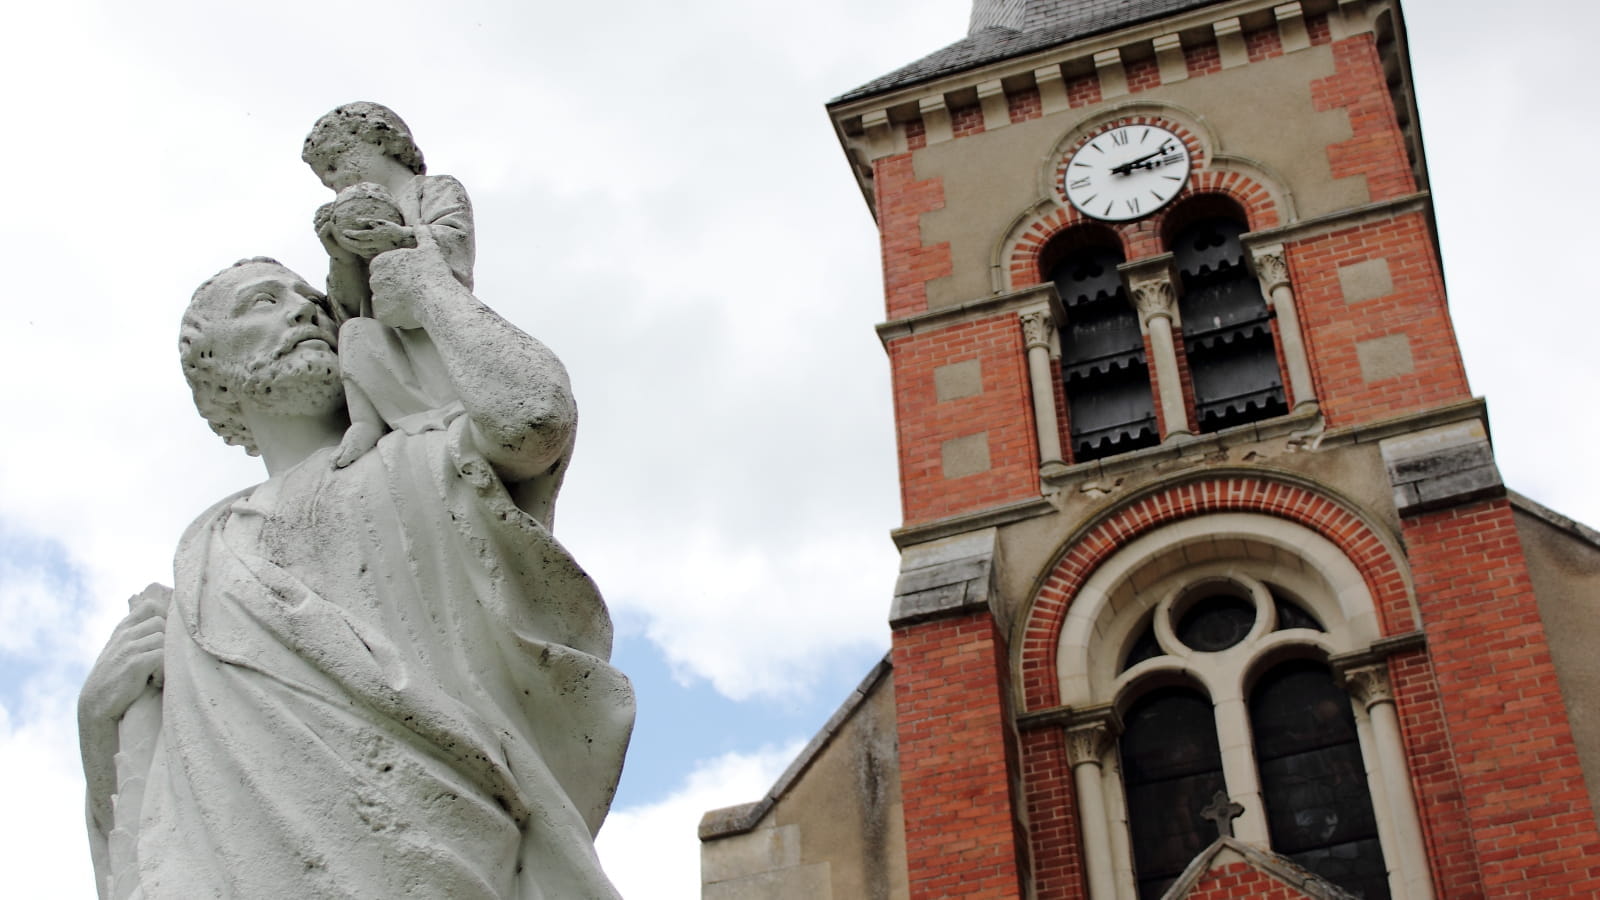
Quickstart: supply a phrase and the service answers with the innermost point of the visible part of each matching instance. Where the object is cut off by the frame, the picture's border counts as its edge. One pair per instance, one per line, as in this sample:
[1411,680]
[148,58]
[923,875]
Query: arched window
[1103,369]
[1171,768]
[1227,328]
[1313,783]
[1181,646]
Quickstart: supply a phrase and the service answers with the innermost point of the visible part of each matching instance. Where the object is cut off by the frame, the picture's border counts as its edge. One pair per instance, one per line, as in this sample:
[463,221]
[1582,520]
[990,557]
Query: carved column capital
[1088,743]
[1271,265]
[1036,327]
[1154,298]
[1152,285]
[1369,684]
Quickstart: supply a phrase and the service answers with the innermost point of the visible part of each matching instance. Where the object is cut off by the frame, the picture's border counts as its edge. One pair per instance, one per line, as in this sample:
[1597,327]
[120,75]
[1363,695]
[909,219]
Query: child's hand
[375,236]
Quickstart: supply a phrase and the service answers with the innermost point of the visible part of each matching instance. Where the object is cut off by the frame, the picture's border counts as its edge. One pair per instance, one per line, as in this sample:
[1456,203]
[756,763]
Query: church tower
[1210,586]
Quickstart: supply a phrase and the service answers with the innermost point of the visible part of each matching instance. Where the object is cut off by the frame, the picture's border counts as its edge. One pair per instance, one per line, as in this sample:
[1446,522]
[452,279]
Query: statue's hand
[131,660]
[375,236]
[327,232]
[409,278]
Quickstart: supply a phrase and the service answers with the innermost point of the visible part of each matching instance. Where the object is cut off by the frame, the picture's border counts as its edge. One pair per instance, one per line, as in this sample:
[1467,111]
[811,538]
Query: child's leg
[366,426]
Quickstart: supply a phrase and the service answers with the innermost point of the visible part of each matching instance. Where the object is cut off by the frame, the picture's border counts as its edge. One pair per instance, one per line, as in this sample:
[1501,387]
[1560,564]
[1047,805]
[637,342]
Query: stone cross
[1222,812]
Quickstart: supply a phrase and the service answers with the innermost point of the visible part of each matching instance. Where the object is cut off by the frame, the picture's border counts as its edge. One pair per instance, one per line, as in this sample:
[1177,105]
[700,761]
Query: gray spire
[991,13]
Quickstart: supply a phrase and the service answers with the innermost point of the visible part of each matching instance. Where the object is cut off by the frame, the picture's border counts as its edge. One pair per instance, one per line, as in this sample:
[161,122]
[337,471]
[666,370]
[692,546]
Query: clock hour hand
[1142,162]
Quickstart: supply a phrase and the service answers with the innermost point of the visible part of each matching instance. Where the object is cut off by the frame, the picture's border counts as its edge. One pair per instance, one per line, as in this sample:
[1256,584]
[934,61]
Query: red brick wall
[962,837]
[1239,881]
[908,266]
[1052,816]
[1435,780]
[1003,410]
[1375,149]
[1525,798]
[1333,327]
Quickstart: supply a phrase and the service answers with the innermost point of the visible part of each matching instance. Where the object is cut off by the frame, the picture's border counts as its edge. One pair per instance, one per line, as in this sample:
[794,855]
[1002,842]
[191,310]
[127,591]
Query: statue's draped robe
[382,681]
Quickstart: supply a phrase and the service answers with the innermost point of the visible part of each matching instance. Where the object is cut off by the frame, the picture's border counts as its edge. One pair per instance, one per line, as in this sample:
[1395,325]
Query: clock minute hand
[1128,167]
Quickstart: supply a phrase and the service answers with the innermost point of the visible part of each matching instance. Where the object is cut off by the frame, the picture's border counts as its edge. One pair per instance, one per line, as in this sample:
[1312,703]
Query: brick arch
[1240,492]
[1141,238]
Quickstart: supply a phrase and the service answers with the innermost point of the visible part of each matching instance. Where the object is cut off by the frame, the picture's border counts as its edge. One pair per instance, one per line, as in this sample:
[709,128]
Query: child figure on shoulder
[393,376]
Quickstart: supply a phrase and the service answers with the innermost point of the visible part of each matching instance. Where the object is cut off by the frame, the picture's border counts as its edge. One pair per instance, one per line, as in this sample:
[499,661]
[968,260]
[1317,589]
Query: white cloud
[653,851]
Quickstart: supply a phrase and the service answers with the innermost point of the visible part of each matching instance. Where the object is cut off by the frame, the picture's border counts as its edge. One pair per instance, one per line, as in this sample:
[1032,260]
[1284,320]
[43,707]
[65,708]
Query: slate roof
[1047,24]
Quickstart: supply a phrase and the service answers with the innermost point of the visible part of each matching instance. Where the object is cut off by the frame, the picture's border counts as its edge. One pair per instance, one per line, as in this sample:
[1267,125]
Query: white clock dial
[1126,172]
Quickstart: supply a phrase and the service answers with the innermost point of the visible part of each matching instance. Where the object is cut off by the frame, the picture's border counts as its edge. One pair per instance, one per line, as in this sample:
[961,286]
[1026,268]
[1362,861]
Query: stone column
[1087,744]
[1369,685]
[1152,285]
[1239,775]
[1272,268]
[1036,327]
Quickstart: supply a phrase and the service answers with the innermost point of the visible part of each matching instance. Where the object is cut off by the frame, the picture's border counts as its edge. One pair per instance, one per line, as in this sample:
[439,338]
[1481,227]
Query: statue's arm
[128,669]
[516,393]
[447,215]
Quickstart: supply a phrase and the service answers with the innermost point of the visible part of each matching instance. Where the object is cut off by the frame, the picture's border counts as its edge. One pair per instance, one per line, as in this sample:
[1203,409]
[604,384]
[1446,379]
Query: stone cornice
[1038,296]
[1133,42]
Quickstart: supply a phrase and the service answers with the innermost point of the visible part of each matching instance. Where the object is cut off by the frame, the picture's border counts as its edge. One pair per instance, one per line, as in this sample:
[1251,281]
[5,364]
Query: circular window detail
[1216,622]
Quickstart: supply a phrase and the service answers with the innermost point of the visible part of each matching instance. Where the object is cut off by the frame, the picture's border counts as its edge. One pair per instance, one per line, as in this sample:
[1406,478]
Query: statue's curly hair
[362,121]
[215,383]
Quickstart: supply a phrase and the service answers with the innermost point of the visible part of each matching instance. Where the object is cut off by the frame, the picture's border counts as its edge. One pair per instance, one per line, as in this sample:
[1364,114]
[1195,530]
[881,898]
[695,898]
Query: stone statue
[379,679]
[393,376]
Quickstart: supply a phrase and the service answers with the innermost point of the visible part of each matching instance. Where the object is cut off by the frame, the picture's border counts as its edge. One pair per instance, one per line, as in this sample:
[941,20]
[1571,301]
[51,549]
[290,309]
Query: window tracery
[1225,650]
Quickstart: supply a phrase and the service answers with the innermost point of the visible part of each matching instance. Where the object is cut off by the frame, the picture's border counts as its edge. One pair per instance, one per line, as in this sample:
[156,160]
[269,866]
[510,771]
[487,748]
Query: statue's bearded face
[272,341]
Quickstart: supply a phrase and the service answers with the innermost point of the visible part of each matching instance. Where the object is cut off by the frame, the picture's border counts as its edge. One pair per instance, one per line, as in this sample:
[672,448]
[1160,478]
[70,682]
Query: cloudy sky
[660,199]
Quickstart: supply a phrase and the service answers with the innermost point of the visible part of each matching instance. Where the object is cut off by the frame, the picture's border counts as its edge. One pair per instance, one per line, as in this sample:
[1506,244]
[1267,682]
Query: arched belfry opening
[1104,370]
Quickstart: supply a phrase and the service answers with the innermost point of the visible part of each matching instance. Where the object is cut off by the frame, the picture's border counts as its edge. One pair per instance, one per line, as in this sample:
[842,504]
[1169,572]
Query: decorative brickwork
[1002,410]
[950,700]
[966,120]
[916,135]
[1143,75]
[1376,148]
[1416,309]
[1524,792]
[1202,59]
[1143,237]
[1318,30]
[1231,493]
[1263,44]
[1083,90]
[1024,105]
[1241,881]
[908,266]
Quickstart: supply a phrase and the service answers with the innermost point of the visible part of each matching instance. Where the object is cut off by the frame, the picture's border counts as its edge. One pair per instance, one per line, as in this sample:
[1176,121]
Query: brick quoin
[1376,148]
[1003,410]
[962,836]
[1334,327]
[1525,798]
[908,266]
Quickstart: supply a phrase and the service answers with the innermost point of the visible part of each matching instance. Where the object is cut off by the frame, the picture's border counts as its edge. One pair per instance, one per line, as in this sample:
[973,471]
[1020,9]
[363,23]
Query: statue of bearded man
[385,680]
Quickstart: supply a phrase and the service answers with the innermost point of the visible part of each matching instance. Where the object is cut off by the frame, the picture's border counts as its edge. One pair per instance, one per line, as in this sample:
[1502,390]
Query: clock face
[1127,172]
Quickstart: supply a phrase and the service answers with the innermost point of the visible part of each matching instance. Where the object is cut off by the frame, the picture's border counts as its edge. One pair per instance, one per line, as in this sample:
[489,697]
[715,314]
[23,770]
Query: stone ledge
[945,577]
[1441,467]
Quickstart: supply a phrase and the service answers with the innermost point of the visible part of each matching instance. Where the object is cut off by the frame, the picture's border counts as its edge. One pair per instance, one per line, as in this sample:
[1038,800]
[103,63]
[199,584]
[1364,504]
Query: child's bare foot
[358,439]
